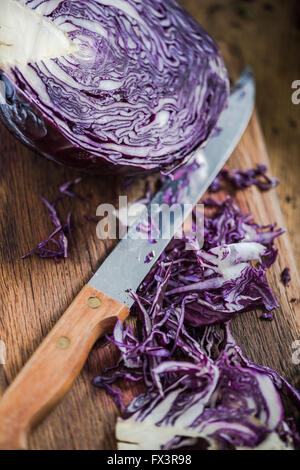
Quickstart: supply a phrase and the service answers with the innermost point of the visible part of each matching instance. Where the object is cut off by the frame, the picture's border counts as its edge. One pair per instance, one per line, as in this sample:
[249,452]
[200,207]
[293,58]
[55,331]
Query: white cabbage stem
[27,36]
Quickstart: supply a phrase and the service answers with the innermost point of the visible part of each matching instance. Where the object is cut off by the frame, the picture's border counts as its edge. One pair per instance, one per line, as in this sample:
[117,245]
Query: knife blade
[52,369]
[125,268]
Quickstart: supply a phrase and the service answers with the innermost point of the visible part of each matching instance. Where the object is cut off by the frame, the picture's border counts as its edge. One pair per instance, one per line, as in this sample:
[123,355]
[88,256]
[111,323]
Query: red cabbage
[240,179]
[56,245]
[150,255]
[286,276]
[199,385]
[203,389]
[267,316]
[105,83]
[228,405]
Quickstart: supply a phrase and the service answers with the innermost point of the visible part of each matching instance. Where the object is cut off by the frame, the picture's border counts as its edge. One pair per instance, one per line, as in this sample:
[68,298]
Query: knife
[53,368]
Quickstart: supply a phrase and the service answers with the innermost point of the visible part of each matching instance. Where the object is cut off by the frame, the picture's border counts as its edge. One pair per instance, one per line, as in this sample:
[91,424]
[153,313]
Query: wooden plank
[35,292]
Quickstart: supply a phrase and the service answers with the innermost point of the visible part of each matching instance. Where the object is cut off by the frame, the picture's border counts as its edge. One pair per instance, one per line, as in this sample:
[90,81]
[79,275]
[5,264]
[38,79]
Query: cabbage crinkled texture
[132,83]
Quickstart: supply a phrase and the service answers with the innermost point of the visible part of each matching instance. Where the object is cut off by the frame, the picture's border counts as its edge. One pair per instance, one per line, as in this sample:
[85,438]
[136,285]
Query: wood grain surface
[34,292]
[55,365]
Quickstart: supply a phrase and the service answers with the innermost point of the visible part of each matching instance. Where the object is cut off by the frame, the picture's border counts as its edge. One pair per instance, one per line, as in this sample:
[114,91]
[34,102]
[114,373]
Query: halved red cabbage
[105,85]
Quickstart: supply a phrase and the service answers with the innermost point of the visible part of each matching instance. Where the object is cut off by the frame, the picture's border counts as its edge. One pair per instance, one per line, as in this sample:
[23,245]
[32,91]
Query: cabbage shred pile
[201,391]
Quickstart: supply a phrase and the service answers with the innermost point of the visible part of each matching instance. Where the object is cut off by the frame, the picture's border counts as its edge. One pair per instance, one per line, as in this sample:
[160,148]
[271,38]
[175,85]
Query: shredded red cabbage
[56,245]
[199,385]
[286,276]
[200,388]
[240,179]
[150,255]
[267,316]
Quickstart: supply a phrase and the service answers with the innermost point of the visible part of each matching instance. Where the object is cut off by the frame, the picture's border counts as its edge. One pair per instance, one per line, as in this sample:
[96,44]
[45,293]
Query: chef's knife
[52,369]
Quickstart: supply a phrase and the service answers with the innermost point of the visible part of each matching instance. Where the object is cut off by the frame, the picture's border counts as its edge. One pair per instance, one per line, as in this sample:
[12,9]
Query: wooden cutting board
[34,292]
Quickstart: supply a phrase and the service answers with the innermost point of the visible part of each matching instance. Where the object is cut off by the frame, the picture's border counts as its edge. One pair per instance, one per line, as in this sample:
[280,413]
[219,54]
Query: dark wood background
[34,292]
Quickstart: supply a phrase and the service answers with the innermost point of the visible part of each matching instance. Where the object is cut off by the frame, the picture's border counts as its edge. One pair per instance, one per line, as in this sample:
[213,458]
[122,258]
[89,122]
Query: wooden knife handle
[53,368]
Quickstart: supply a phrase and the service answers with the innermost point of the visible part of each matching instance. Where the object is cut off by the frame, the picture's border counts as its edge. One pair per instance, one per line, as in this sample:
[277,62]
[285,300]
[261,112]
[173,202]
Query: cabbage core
[26,36]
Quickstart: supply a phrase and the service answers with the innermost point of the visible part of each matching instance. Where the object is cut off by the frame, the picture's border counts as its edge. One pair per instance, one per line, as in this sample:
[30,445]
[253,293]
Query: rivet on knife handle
[53,368]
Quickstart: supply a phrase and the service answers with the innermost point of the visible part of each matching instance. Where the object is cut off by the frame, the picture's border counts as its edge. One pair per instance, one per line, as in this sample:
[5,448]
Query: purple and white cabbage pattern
[200,388]
[226,405]
[143,85]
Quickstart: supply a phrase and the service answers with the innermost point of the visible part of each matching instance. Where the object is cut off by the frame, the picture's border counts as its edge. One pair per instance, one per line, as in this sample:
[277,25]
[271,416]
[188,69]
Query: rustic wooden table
[34,293]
